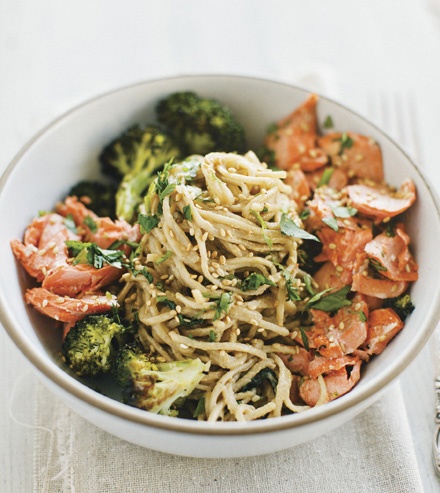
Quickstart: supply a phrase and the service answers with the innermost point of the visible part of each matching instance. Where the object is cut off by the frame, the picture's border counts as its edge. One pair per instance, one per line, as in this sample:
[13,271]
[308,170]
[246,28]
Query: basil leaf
[289,228]
[307,278]
[166,191]
[377,265]
[362,316]
[331,223]
[254,281]
[147,223]
[331,302]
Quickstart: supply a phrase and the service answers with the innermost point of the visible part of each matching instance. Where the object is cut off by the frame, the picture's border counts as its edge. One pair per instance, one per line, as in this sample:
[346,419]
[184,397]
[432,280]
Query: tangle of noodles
[218,225]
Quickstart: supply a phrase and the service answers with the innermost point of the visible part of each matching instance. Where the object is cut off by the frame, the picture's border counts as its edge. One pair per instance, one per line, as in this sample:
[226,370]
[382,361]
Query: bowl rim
[78,390]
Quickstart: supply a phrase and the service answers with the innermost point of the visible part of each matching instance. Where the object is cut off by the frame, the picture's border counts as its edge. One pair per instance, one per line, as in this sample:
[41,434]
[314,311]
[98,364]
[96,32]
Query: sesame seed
[191,232]
[60,300]
[85,308]
[215,275]
[45,302]
[238,331]
[183,346]
[241,247]
[229,233]
[365,273]
[42,252]
[211,237]
[386,220]
[232,170]
[213,287]
[260,329]
[394,288]
[342,325]
[339,268]
[254,322]
[205,236]
[200,279]
[171,233]
[217,200]
[222,259]
[332,246]
[188,247]
[195,247]
[222,232]
[407,268]
[176,319]
[178,308]
[216,265]
[239,303]
[214,254]
[227,282]
[357,306]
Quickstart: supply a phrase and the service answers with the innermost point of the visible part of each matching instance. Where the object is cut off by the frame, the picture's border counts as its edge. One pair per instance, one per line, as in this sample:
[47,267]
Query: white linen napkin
[373,453]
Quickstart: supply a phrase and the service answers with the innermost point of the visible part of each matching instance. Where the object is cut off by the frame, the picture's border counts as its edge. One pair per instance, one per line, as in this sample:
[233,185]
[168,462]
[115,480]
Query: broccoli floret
[155,387]
[91,345]
[200,125]
[98,197]
[133,158]
[402,305]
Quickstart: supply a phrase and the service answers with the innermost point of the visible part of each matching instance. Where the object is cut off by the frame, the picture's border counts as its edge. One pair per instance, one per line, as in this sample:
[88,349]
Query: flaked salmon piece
[381,203]
[379,287]
[300,186]
[341,248]
[297,363]
[383,325]
[328,277]
[44,245]
[360,155]
[66,309]
[392,256]
[338,179]
[105,232]
[341,334]
[337,383]
[294,139]
[76,280]
[320,365]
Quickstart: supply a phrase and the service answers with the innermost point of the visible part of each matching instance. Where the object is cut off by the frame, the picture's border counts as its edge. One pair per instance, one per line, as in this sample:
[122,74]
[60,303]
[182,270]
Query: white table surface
[55,54]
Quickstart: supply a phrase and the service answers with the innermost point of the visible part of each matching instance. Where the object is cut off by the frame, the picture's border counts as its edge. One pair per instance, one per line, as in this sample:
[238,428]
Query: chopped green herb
[164,257]
[362,316]
[331,223]
[200,408]
[222,305]
[167,190]
[325,177]
[70,223]
[187,213]
[289,228]
[147,223]
[328,122]
[254,281]
[264,374]
[304,338]
[292,291]
[263,228]
[308,283]
[346,143]
[183,321]
[304,214]
[92,254]
[91,224]
[376,265]
[212,336]
[331,302]
[343,212]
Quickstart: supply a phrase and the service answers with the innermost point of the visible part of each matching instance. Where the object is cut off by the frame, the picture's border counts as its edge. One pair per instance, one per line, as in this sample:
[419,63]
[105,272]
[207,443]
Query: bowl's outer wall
[67,151]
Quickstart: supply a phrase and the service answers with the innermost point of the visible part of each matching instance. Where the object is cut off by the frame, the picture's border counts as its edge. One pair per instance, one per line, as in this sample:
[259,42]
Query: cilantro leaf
[147,223]
[289,228]
[292,291]
[183,321]
[254,281]
[70,223]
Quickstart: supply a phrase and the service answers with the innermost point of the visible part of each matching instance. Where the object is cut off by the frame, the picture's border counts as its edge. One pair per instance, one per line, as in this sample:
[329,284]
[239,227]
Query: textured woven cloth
[372,453]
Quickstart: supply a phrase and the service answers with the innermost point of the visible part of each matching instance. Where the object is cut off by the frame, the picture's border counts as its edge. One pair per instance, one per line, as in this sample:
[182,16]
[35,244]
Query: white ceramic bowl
[66,151]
